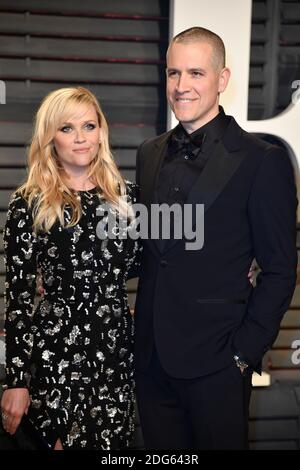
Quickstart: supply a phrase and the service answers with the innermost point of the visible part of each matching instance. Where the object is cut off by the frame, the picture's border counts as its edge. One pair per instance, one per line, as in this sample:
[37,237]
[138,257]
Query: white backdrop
[231,19]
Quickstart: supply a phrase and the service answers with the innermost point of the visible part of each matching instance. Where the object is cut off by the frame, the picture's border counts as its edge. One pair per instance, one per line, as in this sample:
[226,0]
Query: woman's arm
[21,269]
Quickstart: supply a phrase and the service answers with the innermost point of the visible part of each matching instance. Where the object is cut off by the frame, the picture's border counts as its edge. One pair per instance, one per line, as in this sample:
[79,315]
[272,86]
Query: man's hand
[15,402]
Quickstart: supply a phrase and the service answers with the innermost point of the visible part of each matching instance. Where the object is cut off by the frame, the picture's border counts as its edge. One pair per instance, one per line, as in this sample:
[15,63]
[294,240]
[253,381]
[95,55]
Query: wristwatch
[242,365]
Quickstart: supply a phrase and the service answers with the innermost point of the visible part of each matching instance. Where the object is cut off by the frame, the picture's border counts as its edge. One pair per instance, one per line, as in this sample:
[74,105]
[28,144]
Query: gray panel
[125,157]
[291,12]
[275,401]
[1,307]
[30,92]
[132,285]
[257,76]
[117,113]
[291,375]
[131,300]
[286,91]
[74,49]
[2,223]
[274,445]
[78,27]
[88,7]
[296,297]
[256,96]
[15,133]
[286,338]
[131,114]
[128,175]
[290,33]
[16,156]
[83,72]
[289,53]
[258,33]
[120,136]
[281,359]
[258,55]
[291,319]
[4,198]
[12,156]
[273,429]
[129,136]
[2,281]
[259,11]
[17,111]
[297,391]
[11,178]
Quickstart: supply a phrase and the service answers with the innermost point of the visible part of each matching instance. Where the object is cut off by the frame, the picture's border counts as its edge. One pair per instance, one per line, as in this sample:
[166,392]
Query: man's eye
[172,73]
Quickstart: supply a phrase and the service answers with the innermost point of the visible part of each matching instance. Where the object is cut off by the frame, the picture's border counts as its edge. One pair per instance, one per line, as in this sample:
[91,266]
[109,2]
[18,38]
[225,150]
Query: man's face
[194,83]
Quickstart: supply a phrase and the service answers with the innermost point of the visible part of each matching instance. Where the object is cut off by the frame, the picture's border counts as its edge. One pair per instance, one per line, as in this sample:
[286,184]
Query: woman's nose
[79,135]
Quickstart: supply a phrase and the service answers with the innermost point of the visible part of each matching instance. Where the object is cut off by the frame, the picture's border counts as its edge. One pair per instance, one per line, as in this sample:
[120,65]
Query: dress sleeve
[20,250]
[135,263]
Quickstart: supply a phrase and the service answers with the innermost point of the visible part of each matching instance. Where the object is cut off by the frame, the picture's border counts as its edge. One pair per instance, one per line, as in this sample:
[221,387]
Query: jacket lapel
[218,171]
[149,180]
[153,162]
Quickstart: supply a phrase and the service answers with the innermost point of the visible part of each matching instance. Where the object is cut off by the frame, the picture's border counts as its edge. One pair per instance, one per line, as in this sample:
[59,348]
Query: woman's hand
[15,402]
[253,272]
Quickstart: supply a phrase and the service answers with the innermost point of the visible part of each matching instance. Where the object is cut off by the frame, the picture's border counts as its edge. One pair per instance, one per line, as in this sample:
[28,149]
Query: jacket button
[163,263]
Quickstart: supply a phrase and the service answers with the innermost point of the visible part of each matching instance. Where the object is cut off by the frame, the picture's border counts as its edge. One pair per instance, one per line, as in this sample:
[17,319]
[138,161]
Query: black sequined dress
[75,348]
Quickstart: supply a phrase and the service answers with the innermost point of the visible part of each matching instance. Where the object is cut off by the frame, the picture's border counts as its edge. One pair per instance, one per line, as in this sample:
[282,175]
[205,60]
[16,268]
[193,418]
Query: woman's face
[77,140]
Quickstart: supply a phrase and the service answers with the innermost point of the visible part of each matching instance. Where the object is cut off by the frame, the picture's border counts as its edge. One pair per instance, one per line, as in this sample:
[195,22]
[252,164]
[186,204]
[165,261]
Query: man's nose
[182,84]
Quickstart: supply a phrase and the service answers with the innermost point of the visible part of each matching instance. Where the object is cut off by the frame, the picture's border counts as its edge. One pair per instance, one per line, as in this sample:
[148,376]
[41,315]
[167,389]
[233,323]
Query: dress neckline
[92,190]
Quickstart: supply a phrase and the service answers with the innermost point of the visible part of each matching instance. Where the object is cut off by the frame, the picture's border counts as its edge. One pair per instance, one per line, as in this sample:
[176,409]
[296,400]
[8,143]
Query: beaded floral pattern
[74,349]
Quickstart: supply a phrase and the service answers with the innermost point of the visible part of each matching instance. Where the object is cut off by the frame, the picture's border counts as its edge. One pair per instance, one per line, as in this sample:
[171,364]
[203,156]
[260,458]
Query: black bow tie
[181,141]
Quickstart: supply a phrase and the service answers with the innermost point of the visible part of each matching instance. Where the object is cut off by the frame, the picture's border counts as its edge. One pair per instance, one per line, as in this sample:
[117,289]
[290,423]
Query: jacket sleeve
[272,216]
[21,269]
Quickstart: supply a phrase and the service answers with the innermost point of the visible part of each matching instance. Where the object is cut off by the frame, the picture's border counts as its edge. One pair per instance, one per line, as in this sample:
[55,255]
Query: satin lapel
[217,173]
[149,180]
[151,168]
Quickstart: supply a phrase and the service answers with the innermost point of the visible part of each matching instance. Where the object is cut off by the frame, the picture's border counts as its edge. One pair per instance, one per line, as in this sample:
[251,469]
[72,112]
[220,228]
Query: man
[201,328]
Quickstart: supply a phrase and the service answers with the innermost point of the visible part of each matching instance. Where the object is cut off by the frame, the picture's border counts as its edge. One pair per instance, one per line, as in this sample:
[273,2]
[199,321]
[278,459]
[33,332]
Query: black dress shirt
[186,157]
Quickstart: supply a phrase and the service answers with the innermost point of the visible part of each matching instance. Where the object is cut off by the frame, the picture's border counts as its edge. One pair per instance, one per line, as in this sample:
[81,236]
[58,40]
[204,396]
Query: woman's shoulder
[17,199]
[18,204]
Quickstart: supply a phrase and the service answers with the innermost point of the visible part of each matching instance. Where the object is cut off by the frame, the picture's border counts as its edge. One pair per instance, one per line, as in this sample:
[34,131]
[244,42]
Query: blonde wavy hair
[46,189]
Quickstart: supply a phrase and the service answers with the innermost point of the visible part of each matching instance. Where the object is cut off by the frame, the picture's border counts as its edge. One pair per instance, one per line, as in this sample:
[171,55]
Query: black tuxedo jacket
[198,307]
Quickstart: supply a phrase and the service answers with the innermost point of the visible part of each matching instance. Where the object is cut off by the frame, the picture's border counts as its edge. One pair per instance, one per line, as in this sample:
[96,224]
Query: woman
[69,359]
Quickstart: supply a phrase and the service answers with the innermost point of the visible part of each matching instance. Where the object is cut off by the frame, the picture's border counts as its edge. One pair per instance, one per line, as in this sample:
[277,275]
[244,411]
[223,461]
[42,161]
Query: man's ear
[224,79]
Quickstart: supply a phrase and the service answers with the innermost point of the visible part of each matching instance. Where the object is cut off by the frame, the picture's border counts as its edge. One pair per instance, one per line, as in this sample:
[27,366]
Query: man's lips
[185,100]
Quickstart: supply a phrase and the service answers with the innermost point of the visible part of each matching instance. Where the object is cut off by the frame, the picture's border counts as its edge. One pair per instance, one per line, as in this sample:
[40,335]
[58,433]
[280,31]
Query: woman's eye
[90,126]
[65,129]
